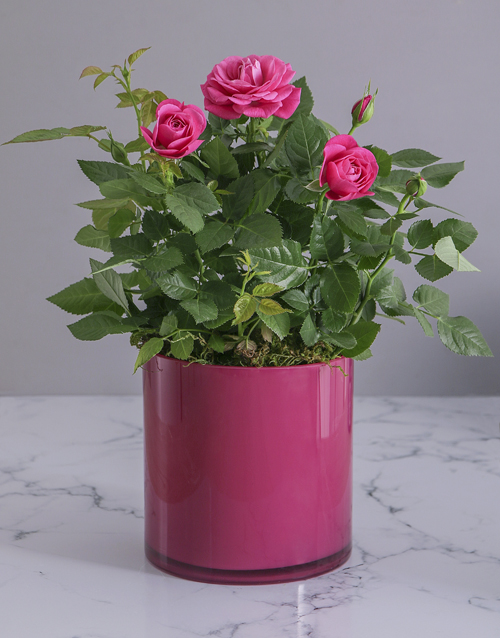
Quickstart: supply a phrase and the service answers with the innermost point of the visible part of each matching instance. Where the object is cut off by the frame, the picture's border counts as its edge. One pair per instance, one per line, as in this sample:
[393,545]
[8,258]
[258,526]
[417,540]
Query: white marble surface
[426,559]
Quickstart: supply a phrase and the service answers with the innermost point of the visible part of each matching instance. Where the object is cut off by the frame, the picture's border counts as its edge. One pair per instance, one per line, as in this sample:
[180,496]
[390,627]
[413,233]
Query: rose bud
[362,111]
[256,86]
[177,129]
[348,169]
[416,186]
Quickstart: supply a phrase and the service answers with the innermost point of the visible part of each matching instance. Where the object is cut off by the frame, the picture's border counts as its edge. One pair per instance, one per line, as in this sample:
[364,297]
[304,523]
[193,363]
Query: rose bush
[348,169]
[256,86]
[177,129]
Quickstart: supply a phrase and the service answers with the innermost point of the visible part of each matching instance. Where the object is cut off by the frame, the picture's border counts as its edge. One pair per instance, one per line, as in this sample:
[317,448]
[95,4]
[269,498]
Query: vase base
[248,576]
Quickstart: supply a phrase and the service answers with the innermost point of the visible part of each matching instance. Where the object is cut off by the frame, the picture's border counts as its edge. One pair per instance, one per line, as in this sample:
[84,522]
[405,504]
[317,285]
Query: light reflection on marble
[426,559]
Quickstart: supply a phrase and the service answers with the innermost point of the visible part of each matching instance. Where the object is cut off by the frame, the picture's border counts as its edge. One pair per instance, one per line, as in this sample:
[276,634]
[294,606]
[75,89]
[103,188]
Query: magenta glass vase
[248,470]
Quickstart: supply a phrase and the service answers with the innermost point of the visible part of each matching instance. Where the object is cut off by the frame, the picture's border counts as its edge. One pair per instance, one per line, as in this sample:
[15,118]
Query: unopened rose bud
[416,186]
[362,111]
[118,153]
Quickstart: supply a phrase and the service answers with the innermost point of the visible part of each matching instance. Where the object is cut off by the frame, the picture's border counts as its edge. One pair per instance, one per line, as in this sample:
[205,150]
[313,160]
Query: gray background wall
[435,62]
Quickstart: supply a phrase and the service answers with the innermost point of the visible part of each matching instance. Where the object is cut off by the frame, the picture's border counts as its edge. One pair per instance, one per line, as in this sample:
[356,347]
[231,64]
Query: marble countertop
[426,558]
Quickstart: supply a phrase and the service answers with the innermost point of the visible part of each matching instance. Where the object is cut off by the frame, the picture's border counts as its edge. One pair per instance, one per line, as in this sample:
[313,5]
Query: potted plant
[248,257]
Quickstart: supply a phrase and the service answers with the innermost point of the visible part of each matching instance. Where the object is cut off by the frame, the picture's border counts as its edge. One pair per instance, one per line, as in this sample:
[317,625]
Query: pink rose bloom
[177,129]
[348,169]
[257,86]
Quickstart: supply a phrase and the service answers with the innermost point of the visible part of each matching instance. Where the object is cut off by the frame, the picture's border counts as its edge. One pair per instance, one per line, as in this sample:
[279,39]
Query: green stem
[202,265]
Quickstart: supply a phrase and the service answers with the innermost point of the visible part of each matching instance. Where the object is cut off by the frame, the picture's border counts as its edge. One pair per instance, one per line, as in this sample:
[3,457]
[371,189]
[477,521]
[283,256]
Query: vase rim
[211,365]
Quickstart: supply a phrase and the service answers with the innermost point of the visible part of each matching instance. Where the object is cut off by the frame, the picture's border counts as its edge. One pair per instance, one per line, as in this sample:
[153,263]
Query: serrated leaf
[365,333]
[93,238]
[305,142]
[439,175]
[105,204]
[432,299]
[266,290]
[424,322]
[391,226]
[148,182]
[166,259]
[395,182]
[182,347]
[353,219]
[193,171]
[447,252]
[219,158]
[148,113]
[216,342]
[258,231]
[420,234]
[155,225]
[432,268]
[422,203]
[413,158]
[82,298]
[96,326]
[327,240]
[308,332]
[150,349]
[137,54]
[110,284]
[40,135]
[462,233]
[265,188]
[296,299]
[271,307]
[286,264]
[214,235]
[131,246]
[460,335]
[137,146]
[190,202]
[235,206]
[90,70]
[297,192]
[279,324]
[334,321]
[84,131]
[369,208]
[385,197]
[252,147]
[200,309]
[169,324]
[340,287]
[340,339]
[384,160]
[306,99]
[99,172]
[367,354]
[100,79]
[244,308]
[177,285]
[219,292]
[120,221]
[382,280]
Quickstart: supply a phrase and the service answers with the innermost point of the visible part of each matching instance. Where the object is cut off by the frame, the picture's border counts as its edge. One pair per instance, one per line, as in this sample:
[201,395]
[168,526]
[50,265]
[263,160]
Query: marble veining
[426,558]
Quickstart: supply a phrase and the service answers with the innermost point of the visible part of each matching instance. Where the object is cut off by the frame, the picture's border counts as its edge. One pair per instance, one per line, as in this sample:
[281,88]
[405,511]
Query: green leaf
[296,299]
[439,175]
[90,70]
[279,324]
[219,292]
[201,309]
[353,219]
[270,307]
[137,54]
[189,202]
[391,226]
[420,234]
[148,182]
[96,326]
[422,203]
[120,221]
[340,339]
[446,251]
[327,240]
[110,284]
[177,285]
[252,147]
[93,238]
[286,264]
[131,246]
[219,159]
[244,308]
[385,197]
[460,335]
[155,225]
[334,321]
[214,235]
[395,182]
[384,160]
[382,280]
[40,135]
[367,354]
[166,259]
[340,287]
[137,146]
[369,208]
[105,204]
[258,231]
[125,188]
[462,233]
[266,290]
[297,192]
[150,349]
[265,187]
[392,300]
[432,299]
[168,325]
[148,113]
[182,347]
[413,158]
[432,268]
[217,343]
[193,171]
[424,322]
[308,332]
[306,99]
[235,206]
[84,131]
[305,142]
[81,298]
[99,172]
[365,333]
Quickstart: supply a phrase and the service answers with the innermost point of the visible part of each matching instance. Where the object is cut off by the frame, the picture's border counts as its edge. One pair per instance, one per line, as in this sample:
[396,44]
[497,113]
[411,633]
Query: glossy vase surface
[248,471]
